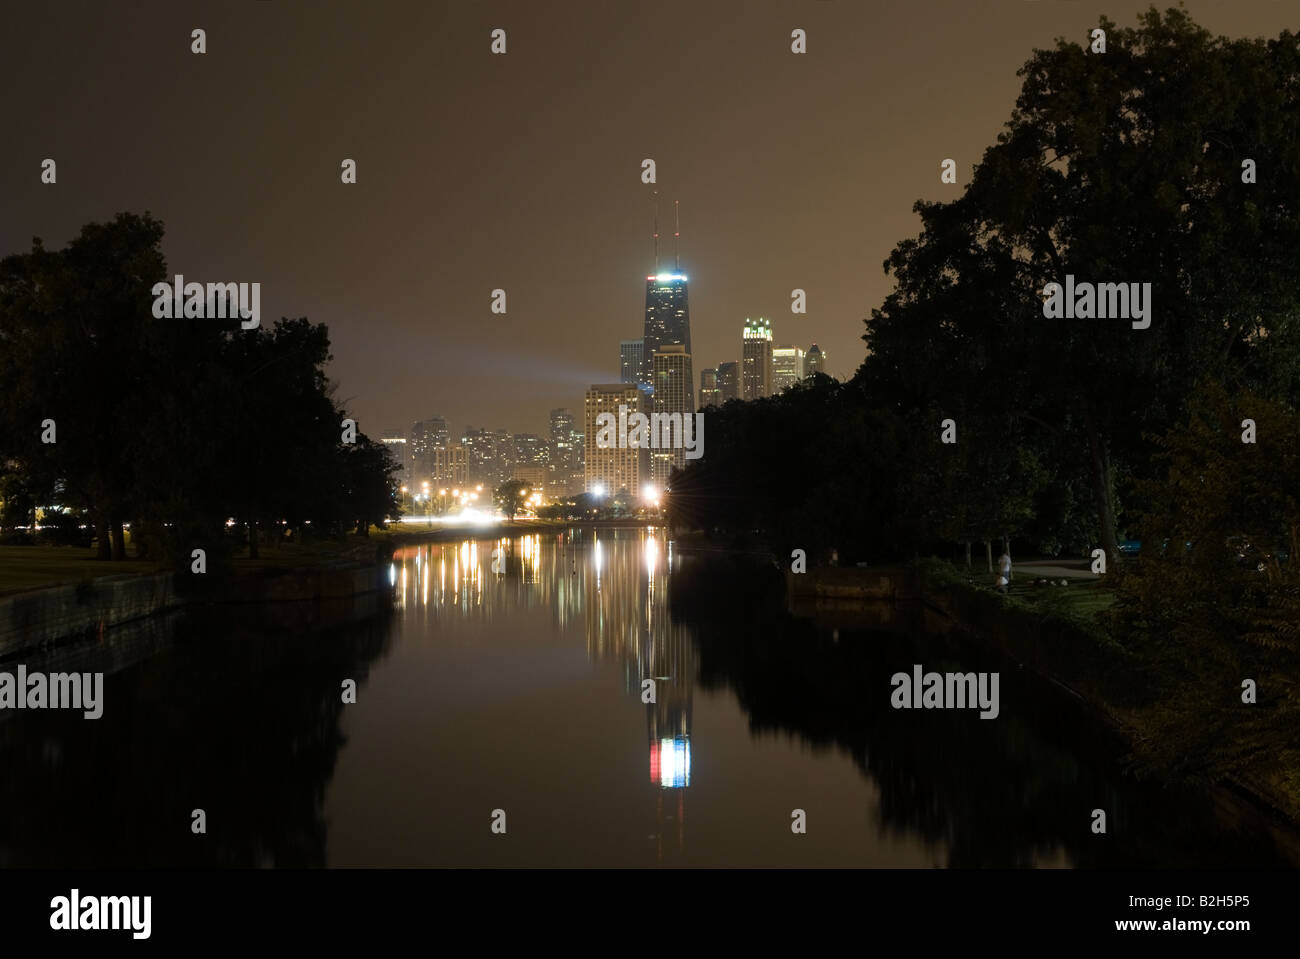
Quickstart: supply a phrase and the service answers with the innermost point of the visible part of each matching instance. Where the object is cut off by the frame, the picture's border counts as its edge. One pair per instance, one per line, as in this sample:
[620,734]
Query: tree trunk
[988,548]
[968,567]
[1101,489]
[103,546]
[119,540]
[252,539]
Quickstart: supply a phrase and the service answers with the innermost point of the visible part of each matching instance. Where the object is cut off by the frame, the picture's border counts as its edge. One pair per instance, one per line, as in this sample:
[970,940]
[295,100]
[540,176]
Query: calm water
[519,689]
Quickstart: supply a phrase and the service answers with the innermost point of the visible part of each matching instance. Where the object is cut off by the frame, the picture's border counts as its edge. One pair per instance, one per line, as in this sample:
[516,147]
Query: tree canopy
[172,425]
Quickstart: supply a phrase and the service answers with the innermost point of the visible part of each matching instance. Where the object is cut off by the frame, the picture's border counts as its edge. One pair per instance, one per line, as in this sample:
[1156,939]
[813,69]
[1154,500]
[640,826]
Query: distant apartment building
[567,472]
[756,359]
[631,360]
[787,367]
[491,456]
[617,467]
[709,393]
[425,437]
[532,460]
[728,381]
[451,467]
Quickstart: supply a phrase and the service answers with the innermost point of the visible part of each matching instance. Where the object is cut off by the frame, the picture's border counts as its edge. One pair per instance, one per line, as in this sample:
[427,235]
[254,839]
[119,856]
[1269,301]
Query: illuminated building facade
[756,360]
[667,318]
[425,437]
[673,393]
[787,367]
[618,467]
[567,473]
[451,466]
[631,360]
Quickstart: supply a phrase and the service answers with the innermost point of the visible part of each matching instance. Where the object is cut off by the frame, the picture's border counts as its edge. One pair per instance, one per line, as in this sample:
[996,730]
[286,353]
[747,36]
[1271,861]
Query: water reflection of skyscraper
[617,581]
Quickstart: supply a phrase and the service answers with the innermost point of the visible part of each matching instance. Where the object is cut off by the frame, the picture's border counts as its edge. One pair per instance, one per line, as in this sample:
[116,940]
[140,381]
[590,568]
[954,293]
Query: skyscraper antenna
[677,232]
[656,232]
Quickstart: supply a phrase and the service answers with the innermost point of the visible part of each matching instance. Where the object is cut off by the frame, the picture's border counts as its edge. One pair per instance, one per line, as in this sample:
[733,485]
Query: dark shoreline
[856,596]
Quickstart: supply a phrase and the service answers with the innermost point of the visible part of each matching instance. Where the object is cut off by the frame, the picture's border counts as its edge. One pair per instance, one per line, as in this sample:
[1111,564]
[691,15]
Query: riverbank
[1050,638]
[44,617]
[60,594]
[320,581]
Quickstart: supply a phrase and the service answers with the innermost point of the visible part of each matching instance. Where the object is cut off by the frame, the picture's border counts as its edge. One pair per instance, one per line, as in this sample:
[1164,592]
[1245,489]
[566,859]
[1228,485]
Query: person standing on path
[1004,571]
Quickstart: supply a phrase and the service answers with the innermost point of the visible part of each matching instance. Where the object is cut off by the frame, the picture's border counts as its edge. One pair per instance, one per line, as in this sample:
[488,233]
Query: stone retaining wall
[45,616]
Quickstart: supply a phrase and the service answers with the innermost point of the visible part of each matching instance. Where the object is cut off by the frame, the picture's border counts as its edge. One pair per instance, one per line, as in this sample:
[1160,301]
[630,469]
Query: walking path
[1054,569]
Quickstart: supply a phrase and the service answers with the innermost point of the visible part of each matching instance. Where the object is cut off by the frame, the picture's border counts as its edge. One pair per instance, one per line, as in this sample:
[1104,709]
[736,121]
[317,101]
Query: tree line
[192,431]
[1122,167]
[1171,159]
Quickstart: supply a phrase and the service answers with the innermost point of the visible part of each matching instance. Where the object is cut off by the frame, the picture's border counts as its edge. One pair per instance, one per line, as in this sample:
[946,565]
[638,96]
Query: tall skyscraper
[709,393]
[728,381]
[787,367]
[674,393]
[667,317]
[756,360]
[615,468]
[630,360]
[814,361]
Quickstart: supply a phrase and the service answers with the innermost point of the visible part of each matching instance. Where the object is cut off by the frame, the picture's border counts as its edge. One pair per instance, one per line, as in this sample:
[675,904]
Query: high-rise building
[814,361]
[667,313]
[491,456]
[728,381]
[451,466]
[630,360]
[615,467]
[674,393]
[567,473]
[667,318]
[756,360]
[709,393]
[787,367]
[532,460]
[395,442]
[426,436]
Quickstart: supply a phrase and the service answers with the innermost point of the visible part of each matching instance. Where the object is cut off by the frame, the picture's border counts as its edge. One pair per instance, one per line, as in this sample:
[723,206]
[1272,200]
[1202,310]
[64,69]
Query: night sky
[521,171]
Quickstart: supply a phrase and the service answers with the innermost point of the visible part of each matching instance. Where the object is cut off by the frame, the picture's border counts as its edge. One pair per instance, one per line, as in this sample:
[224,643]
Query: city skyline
[781,185]
[319,473]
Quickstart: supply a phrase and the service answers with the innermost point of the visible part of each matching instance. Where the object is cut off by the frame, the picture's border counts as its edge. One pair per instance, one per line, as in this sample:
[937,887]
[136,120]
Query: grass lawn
[1082,597]
[32,567]
[35,567]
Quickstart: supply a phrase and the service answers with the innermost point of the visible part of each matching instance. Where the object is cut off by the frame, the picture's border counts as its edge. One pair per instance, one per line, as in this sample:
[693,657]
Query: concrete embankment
[46,616]
[304,597]
[840,583]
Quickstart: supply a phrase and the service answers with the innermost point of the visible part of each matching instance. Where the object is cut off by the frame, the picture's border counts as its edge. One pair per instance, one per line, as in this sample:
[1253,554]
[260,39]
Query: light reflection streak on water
[612,587]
